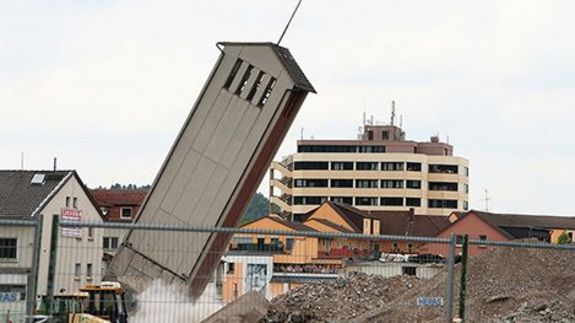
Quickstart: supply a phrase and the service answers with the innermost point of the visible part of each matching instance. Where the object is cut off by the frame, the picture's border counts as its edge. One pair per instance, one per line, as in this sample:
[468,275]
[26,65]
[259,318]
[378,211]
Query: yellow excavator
[94,303]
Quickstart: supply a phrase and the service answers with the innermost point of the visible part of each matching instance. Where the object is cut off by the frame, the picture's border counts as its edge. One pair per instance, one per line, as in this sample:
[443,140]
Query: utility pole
[393,113]
[486,201]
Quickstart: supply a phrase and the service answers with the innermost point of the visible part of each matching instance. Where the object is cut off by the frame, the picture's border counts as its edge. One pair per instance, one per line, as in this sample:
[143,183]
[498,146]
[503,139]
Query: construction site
[374,229]
[507,285]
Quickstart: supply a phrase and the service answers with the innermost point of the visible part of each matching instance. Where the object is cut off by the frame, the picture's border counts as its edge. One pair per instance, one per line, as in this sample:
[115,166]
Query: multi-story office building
[379,171]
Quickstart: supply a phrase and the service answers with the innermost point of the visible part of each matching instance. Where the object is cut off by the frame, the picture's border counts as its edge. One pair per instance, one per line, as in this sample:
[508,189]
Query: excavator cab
[101,303]
[63,308]
[106,301]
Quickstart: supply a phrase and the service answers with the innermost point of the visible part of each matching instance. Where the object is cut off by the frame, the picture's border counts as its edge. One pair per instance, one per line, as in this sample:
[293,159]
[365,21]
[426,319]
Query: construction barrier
[284,275]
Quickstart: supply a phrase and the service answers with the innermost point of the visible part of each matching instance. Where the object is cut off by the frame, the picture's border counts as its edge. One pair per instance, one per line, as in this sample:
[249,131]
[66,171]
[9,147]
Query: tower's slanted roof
[287,60]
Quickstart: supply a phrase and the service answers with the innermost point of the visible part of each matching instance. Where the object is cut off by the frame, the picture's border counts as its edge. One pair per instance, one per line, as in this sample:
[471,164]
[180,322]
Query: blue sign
[430,301]
[9,297]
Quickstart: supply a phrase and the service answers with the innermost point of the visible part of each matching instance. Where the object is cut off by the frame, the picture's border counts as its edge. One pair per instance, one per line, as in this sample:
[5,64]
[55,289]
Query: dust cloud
[168,303]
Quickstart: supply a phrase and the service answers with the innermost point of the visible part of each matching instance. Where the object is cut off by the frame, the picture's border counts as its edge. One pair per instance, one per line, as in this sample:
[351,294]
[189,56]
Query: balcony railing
[258,247]
[342,253]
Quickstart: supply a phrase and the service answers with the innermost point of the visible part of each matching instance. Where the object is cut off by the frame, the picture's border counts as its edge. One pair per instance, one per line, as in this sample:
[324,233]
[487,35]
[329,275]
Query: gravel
[343,299]
[505,285]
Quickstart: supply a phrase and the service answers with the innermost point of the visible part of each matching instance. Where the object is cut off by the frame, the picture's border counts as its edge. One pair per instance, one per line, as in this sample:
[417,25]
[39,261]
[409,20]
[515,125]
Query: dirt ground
[505,285]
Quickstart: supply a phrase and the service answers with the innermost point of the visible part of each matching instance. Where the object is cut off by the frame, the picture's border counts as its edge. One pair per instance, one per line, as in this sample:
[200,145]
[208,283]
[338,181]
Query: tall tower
[215,165]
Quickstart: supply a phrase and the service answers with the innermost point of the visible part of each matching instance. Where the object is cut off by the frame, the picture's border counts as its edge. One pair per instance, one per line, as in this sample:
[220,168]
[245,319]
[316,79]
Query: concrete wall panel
[206,172]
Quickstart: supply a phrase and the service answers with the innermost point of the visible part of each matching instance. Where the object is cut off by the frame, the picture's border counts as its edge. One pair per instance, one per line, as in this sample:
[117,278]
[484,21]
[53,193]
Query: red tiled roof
[296,226]
[408,224]
[526,220]
[333,225]
[109,198]
[393,222]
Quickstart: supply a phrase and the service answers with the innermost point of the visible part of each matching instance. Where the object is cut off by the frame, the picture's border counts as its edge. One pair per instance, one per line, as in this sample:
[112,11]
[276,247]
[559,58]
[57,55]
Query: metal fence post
[462,288]
[450,279]
[31,286]
[52,263]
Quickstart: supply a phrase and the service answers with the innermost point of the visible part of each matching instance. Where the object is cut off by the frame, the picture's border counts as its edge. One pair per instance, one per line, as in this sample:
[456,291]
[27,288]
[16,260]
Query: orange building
[479,225]
[275,264]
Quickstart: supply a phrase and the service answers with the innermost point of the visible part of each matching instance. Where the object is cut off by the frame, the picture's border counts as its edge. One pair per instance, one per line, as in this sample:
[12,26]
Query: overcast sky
[106,85]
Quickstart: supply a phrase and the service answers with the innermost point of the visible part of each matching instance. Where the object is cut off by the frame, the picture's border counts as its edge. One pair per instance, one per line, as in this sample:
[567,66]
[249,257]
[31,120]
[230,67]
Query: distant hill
[258,207]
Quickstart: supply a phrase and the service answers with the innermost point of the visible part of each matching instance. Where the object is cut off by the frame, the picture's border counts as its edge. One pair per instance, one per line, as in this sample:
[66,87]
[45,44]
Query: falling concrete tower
[215,165]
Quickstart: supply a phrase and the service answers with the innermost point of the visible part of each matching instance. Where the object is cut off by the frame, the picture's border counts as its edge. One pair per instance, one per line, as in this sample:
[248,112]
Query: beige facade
[73,252]
[79,251]
[372,174]
[221,154]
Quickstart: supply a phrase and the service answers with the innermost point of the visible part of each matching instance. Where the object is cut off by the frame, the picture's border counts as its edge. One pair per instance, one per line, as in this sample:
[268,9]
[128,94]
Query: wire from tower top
[289,22]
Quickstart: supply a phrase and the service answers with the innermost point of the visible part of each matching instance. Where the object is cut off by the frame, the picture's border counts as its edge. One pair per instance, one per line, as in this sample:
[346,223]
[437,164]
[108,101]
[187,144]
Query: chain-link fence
[18,267]
[306,274]
[332,275]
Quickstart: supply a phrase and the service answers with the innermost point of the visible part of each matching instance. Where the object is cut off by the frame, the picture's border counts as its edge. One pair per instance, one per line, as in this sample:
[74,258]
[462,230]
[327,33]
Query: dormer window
[126,213]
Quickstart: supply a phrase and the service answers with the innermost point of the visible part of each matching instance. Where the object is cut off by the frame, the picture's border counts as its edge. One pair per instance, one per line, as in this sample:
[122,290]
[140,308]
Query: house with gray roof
[27,195]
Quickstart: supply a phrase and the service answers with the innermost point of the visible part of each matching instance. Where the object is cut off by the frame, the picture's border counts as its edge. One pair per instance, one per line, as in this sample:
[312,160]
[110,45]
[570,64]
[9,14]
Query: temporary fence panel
[17,241]
[520,281]
[330,276]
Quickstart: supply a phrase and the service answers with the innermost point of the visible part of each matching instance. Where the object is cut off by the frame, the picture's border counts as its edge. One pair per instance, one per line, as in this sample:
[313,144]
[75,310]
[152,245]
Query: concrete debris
[248,308]
[505,285]
[343,299]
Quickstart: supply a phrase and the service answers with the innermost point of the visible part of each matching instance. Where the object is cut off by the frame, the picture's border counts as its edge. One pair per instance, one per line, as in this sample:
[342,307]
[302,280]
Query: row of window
[376,166]
[376,183]
[378,201]
[242,85]
[78,271]
[110,243]
[72,202]
[340,149]
[8,248]
[126,212]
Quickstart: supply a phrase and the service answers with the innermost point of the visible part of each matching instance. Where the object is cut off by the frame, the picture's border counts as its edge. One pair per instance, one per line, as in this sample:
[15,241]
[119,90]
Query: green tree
[258,207]
[563,238]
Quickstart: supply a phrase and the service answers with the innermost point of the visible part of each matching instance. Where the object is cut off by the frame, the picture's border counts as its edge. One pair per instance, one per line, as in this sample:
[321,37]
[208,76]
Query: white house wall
[71,250]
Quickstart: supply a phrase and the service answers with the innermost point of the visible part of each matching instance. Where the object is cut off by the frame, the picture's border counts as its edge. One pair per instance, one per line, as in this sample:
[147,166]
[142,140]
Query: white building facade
[35,195]
[379,171]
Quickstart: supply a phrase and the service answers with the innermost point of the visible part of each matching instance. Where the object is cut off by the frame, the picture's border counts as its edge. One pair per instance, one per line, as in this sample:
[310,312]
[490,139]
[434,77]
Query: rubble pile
[345,298]
[504,285]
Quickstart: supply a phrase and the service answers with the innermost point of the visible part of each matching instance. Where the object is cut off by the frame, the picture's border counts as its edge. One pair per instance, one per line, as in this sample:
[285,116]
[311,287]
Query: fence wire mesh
[16,266]
[306,275]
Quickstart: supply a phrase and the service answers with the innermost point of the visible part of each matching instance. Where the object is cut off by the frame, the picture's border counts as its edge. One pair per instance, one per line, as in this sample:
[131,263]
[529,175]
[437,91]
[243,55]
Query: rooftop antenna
[364,118]
[55,163]
[289,22]
[392,112]
[401,121]
[371,120]
[486,200]
[22,160]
